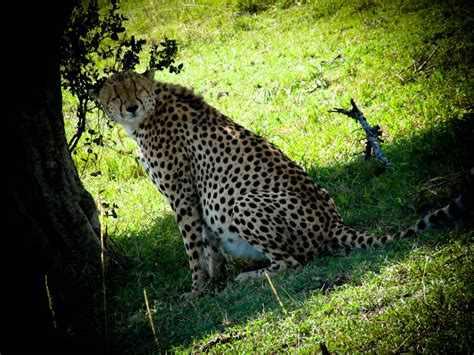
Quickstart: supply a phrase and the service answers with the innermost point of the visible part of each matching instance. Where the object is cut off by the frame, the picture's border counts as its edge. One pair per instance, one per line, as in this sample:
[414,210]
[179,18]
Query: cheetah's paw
[245,276]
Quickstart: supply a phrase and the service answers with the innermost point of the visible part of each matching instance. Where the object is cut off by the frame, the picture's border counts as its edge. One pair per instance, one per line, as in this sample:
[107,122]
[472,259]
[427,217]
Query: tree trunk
[51,216]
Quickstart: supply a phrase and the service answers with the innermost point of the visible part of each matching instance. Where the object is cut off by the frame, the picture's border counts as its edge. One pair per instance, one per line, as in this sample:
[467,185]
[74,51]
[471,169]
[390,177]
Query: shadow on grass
[154,259]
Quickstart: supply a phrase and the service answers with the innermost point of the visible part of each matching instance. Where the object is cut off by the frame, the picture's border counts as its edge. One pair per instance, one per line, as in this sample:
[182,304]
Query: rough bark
[372,134]
[53,220]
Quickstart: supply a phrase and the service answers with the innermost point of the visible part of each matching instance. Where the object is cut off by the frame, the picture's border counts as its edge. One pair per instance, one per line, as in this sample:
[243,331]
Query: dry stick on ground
[221,339]
[417,69]
[422,66]
[372,133]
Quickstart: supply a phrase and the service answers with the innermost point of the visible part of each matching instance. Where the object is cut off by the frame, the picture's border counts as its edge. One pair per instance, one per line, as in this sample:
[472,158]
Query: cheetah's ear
[150,74]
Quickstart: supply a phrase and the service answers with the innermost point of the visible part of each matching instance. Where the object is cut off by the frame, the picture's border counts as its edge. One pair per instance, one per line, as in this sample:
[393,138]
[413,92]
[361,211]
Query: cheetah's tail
[443,216]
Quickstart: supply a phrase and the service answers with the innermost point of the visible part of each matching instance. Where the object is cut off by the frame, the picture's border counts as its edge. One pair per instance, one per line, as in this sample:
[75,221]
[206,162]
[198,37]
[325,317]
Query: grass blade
[150,319]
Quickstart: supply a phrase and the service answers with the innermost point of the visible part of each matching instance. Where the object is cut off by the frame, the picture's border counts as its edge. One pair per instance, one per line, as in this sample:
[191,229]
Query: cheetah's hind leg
[259,219]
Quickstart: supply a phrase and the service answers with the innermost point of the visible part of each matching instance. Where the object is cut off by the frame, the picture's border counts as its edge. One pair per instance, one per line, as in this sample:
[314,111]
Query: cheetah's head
[127,97]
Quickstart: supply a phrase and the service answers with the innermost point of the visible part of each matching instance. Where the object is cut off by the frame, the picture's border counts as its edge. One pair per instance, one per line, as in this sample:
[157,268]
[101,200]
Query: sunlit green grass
[277,68]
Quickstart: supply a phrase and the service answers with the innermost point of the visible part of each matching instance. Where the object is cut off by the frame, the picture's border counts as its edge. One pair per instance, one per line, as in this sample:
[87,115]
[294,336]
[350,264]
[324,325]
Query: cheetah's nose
[132,108]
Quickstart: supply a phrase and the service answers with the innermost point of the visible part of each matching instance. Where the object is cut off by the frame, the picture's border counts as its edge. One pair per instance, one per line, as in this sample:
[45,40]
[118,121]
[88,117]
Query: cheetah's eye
[112,99]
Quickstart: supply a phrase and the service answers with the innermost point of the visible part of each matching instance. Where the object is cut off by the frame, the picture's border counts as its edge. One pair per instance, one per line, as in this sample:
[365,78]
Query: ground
[277,68]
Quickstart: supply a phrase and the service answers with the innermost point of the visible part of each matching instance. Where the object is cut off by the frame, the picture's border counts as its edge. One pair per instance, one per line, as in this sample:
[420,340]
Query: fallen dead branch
[372,134]
[221,339]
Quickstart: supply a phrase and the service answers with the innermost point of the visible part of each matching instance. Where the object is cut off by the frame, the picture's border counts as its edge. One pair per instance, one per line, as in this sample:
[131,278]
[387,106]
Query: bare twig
[422,66]
[435,183]
[222,339]
[81,123]
[417,69]
[372,133]
[331,61]
[50,301]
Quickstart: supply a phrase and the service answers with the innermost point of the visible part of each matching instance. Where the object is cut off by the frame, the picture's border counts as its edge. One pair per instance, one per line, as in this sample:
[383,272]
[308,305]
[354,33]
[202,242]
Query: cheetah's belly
[235,246]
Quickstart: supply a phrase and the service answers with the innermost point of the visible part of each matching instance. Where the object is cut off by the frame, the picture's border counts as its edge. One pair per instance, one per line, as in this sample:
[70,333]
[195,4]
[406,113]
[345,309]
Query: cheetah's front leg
[188,216]
[274,268]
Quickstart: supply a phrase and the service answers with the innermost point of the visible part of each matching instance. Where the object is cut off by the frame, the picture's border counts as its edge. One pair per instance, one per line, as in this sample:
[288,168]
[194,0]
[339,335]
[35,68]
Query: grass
[277,67]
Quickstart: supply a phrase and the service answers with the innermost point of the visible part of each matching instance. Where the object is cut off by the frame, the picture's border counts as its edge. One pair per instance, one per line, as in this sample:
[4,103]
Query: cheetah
[234,193]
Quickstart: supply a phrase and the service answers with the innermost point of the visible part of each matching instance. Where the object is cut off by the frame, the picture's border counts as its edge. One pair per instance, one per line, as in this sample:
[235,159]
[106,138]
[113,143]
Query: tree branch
[372,133]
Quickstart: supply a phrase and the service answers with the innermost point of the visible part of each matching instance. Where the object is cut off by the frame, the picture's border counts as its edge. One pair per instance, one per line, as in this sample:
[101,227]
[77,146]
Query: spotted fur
[233,192]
